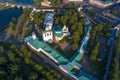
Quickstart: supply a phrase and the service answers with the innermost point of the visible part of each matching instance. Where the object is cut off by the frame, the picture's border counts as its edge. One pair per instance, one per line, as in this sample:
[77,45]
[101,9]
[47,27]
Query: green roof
[83,78]
[58,31]
[37,43]
[57,28]
[79,56]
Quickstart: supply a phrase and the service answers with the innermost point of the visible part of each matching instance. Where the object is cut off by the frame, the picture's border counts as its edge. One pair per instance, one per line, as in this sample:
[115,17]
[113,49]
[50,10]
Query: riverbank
[5,7]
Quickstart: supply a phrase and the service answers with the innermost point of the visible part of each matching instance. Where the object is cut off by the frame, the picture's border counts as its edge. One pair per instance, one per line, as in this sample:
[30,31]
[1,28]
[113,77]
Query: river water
[24,1]
[7,15]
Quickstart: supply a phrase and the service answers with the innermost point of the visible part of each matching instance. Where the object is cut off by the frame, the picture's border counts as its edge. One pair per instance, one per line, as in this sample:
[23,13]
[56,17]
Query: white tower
[34,36]
[65,31]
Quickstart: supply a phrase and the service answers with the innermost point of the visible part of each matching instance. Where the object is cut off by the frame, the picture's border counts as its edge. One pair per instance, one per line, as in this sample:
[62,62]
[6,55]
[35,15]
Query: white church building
[47,33]
[51,33]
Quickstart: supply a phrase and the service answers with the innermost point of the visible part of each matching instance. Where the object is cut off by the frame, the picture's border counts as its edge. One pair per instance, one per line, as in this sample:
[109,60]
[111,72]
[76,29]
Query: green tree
[55,2]
[3,60]
[63,20]
[26,53]
[36,1]
[33,76]
[80,29]
[38,17]
[12,24]
[14,69]
[76,36]
[74,46]
[107,35]
[11,55]
[99,27]
[38,67]
[94,53]
[73,27]
[114,70]
[57,20]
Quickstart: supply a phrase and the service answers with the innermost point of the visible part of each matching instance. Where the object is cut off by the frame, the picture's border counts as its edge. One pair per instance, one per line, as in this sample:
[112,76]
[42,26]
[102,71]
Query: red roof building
[65,1]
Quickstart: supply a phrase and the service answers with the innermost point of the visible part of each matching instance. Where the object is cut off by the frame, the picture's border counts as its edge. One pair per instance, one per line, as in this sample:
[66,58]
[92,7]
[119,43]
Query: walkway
[17,27]
[7,35]
[24,30]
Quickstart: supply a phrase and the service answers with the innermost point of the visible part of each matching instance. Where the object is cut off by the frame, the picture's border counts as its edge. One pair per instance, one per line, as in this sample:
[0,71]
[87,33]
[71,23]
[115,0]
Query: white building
[47,32]
[118,30]
[57,32]
[65,31]
[102,4]
[60,32]
[48,22]
[48,36]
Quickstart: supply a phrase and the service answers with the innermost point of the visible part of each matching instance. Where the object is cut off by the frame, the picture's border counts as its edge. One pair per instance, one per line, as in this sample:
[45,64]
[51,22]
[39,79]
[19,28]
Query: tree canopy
[17,64]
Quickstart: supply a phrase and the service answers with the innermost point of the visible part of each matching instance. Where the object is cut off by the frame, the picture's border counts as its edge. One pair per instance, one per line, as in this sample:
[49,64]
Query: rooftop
[48,19]
[37,44]
[58,31]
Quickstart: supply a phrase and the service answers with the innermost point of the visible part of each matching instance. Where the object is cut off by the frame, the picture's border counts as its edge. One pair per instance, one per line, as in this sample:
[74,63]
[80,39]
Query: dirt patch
[65,46]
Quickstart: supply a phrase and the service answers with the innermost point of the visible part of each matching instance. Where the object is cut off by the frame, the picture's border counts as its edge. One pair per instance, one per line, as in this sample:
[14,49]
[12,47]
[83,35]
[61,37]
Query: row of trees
[114,70]
[17,65]
[113,11]
[24,18]
[99,30]
[12,25]
[38,1]
[93,46]
[56,2]
[38,18]
[95,52]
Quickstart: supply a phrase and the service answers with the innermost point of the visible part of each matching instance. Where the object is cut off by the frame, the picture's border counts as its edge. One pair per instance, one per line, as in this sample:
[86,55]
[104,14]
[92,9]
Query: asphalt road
[110,55]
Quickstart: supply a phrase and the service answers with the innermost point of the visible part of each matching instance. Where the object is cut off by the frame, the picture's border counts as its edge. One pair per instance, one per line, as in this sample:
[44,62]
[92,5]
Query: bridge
[34,7]
[18,5]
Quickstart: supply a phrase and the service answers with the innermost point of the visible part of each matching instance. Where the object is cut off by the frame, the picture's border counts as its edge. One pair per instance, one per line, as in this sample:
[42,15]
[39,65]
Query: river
[7,15]
[19,1]
[24,1]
